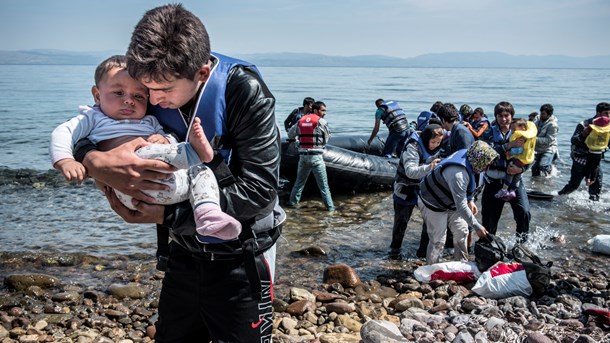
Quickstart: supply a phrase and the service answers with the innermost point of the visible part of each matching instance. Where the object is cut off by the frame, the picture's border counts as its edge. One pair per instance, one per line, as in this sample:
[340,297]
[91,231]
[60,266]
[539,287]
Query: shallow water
[53,218]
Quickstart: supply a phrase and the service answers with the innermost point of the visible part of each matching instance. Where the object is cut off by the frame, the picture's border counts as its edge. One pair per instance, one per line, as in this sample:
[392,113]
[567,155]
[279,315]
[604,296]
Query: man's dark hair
[602,106]
[435,106]
[168,42]
[548,108]
[448,112]
[378,102]
[504,106]
[308,101]
[480,111]
[317,105]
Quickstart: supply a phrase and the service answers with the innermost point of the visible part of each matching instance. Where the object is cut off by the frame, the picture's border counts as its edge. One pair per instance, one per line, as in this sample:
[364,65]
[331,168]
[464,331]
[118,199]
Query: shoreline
[115,300]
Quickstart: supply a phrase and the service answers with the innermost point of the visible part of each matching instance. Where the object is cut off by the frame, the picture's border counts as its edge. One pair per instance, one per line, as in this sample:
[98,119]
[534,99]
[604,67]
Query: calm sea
[35,218]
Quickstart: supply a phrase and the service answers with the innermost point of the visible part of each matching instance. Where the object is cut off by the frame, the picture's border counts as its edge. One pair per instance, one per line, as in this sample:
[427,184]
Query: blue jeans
[307,164]
[542,163]
[391,142]
[492,208]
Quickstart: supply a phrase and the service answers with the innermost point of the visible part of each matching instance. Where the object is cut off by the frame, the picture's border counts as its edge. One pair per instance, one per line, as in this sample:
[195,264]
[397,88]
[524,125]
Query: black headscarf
[426,135]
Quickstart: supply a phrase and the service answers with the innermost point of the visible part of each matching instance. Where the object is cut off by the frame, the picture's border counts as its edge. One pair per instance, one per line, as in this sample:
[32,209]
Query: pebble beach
[80,298]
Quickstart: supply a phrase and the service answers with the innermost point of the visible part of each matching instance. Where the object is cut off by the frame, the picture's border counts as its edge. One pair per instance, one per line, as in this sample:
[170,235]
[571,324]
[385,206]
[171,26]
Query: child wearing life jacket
[597,142]
[525,132]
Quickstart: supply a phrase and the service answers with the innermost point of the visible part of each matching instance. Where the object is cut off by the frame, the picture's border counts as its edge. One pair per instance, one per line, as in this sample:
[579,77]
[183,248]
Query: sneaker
[502,193]
[594,197]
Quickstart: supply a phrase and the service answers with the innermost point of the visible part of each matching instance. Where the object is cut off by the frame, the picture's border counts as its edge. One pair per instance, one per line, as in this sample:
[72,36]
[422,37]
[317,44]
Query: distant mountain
[59,57]
[439,60]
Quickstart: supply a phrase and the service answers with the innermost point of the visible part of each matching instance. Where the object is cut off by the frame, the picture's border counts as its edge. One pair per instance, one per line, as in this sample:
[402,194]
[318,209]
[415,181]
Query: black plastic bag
[489,251]
[538,273]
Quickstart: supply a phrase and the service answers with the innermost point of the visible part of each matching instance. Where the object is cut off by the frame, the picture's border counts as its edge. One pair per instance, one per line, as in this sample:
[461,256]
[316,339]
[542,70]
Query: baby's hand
[157,139]
[72,170]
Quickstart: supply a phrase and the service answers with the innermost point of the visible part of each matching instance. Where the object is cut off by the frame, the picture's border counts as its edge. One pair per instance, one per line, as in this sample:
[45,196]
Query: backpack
[538,273]
[489,251]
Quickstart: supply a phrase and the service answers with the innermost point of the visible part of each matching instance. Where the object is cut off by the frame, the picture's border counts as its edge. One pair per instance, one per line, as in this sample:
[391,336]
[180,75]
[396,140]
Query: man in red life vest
[312,133]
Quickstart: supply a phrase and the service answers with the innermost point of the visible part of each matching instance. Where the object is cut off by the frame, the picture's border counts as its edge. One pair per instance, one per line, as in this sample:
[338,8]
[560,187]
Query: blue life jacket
[210,106]
[424,155]
[424,119]
[434,190]
[497,138]
[394,117]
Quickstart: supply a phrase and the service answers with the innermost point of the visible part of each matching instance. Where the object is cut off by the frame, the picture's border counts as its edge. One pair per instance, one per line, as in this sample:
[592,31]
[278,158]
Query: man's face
[603,113]
[503,119]
[544,115]
[321,112]
[175,93]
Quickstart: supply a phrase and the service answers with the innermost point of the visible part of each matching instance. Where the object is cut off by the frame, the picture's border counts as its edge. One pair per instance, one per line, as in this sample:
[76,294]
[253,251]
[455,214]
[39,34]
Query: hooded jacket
[546,141]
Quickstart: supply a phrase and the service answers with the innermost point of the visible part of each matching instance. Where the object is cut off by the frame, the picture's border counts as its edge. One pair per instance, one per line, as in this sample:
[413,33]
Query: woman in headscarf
[418,157]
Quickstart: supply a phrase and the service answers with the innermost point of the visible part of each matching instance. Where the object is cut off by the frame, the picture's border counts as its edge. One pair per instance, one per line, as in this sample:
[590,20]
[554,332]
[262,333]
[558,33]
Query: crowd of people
[448,155]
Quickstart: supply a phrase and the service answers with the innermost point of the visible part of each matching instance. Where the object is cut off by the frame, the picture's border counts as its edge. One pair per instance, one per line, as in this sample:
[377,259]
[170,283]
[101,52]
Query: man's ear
[203,74]
[96,94]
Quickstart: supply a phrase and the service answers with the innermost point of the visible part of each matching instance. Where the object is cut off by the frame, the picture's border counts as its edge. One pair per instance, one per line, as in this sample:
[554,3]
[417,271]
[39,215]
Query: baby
[521,157]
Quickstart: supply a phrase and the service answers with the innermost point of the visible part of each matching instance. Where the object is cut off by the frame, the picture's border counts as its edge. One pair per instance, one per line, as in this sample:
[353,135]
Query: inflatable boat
[352,165]
[537,195]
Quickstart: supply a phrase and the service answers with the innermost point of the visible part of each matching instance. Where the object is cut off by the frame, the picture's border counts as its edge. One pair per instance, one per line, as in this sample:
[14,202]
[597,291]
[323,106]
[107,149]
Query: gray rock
[131,290]
[381,331]
[21,282]
[406,304]
[301,294]
[463,337]
[340,307]
[536,337]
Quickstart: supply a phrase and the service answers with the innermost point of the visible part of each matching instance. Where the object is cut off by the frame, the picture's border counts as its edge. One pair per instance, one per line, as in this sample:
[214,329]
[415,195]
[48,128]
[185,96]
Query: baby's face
[120,96]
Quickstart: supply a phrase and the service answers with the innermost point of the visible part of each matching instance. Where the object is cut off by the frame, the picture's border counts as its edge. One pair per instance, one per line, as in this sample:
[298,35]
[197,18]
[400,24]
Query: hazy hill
[449,59]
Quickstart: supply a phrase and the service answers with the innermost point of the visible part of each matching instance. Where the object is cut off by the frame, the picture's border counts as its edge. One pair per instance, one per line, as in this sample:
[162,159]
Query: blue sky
[400,28]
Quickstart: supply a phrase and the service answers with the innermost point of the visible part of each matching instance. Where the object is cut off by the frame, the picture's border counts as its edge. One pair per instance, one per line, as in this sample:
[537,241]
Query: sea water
[37,217]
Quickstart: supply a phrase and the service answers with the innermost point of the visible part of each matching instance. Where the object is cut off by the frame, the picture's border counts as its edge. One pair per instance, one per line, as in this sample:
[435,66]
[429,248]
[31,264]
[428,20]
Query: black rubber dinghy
[537,195]
[352,165]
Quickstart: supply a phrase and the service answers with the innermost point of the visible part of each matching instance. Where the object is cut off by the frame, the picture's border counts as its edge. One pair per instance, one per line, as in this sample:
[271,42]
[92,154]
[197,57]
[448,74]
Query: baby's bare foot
[199,142]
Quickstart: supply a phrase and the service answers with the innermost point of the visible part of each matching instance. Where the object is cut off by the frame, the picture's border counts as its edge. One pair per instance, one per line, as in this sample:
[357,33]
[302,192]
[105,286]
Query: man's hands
[434,163]
[517,143]
[473,207]
[482,232]
[143,214]
[121,169]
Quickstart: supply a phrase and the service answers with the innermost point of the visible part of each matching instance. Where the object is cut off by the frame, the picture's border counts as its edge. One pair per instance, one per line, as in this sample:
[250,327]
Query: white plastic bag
[600,244]
[454,270]
[503,280]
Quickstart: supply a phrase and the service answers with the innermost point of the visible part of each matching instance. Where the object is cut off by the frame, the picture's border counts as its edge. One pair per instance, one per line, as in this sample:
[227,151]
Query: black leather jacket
[254,140]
